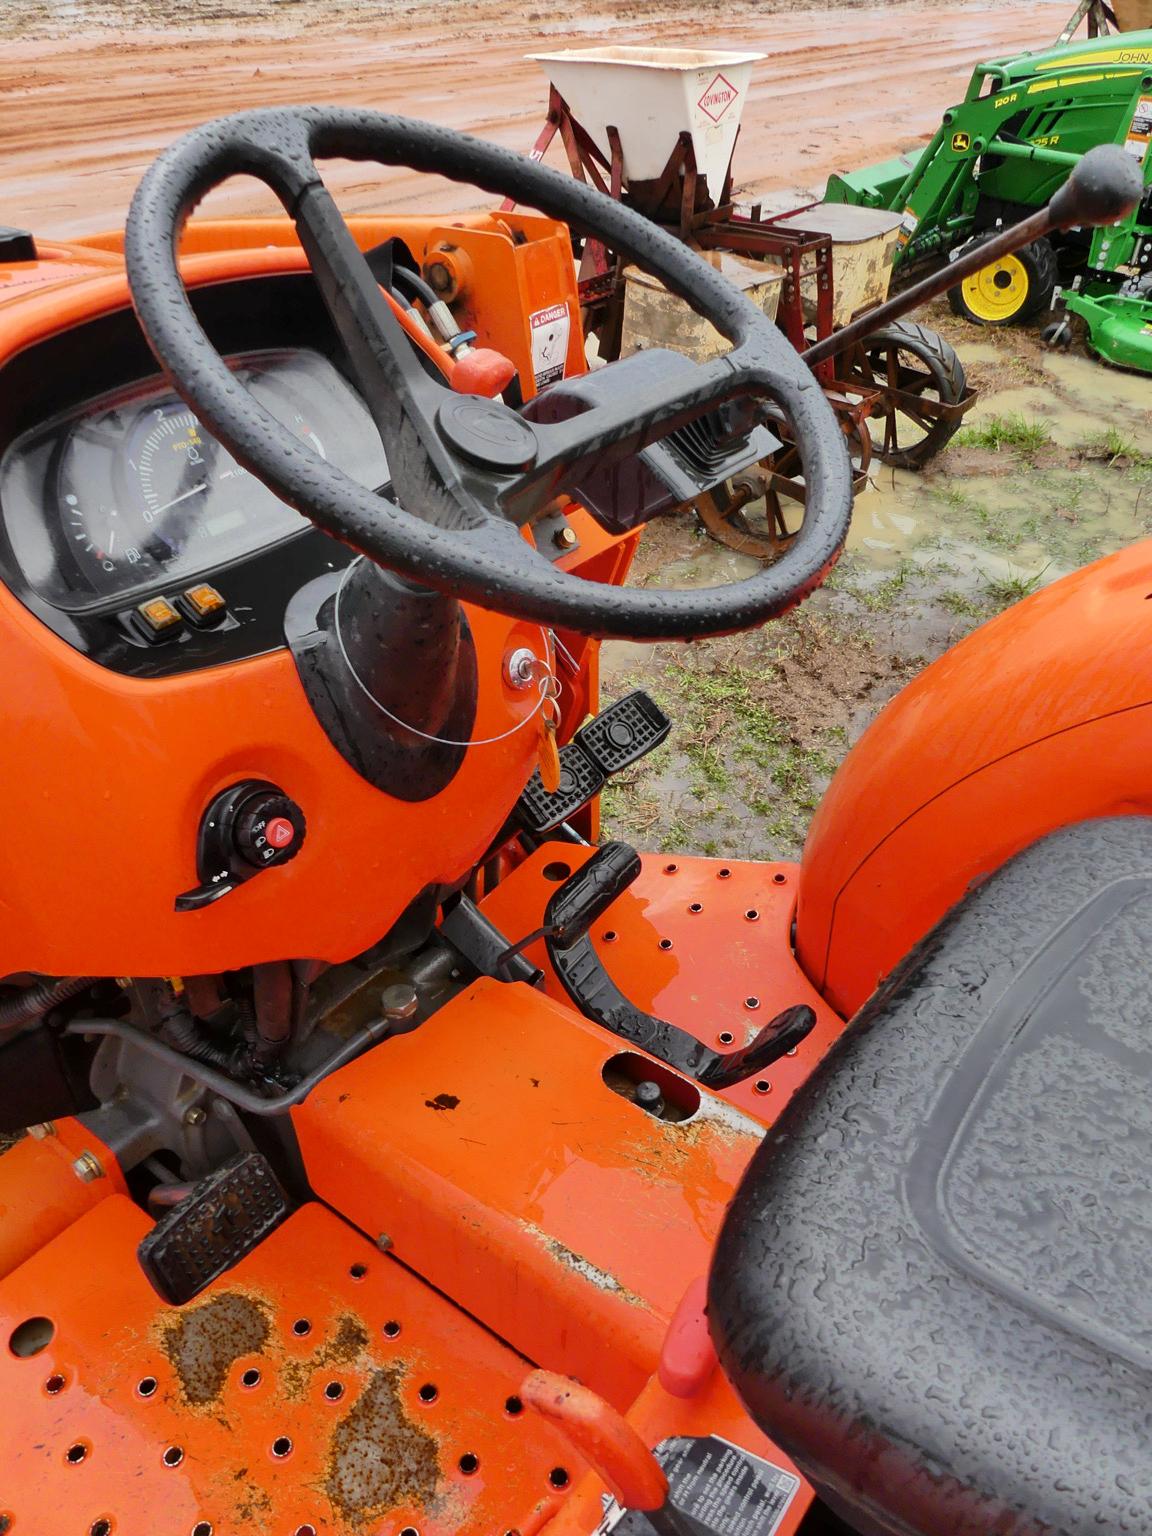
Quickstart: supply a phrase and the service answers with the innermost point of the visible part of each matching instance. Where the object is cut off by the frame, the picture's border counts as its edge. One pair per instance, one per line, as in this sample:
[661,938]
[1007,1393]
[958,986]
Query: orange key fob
[549,752]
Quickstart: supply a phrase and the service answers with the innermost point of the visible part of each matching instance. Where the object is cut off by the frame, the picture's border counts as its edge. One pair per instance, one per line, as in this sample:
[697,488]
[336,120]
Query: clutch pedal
[222,1218]
[618,737]
[624,732]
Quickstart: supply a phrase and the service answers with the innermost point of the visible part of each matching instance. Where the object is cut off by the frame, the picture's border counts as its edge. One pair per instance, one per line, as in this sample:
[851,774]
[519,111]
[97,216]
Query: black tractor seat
[934,1286]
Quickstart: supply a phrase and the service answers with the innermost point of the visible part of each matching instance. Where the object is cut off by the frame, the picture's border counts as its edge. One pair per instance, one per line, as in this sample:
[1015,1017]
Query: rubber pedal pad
[223,1218]
[580,779]
[623,732]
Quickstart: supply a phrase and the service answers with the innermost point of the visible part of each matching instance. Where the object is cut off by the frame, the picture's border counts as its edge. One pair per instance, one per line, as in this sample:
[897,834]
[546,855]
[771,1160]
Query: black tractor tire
[1010,291]
[919,352]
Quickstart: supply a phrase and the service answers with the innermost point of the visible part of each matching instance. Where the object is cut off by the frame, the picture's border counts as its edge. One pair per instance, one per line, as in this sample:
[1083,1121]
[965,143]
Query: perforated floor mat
[318,1387]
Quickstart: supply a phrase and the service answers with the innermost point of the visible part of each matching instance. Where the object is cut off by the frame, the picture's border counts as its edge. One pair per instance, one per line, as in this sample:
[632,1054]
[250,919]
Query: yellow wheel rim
[997,292]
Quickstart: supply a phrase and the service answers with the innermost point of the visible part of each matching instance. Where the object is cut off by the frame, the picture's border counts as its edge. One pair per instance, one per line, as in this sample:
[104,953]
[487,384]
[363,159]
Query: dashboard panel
[129,491]
[113,497]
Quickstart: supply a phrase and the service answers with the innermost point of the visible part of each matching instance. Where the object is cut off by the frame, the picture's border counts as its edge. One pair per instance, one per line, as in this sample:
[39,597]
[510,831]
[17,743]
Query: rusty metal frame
[856,376]
[805,257]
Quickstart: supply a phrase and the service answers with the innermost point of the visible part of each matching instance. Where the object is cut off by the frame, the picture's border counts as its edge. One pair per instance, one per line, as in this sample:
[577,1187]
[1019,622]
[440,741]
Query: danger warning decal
[1140,132]
[718,97]
[718,1490]
[550,329]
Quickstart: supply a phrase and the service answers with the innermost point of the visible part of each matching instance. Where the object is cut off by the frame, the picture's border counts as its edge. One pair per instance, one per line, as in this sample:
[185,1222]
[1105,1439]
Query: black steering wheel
[467,471]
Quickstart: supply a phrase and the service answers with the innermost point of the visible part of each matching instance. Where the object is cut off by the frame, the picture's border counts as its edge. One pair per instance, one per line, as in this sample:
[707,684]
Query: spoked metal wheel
[759,511]
[922,391]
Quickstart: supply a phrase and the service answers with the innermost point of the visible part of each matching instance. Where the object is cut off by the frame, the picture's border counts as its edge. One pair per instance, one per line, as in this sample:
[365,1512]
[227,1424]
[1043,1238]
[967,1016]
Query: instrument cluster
[128,492]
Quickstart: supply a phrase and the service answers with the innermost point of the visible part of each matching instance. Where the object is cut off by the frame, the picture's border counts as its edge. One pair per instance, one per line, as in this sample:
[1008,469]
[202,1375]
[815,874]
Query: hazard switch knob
[249,826]
[269,830]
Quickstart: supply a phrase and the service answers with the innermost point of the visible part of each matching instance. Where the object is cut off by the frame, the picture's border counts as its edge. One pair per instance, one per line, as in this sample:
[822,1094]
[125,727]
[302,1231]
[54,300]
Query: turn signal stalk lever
[585,896]
[1104,187]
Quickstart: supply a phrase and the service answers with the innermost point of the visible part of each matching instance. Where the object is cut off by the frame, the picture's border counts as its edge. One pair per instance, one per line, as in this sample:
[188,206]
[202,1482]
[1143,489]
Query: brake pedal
[624,732]
[618,737]
[221,1220]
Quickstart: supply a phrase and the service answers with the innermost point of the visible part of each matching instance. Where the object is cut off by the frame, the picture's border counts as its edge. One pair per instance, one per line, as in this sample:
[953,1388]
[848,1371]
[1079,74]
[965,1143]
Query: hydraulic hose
[405,278]
[34,1002]
[180,1028]
[406,282]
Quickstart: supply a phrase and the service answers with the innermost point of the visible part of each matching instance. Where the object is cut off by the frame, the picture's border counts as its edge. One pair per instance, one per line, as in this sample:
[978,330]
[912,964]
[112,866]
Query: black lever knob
[588,893]
[1104,186]
[779,1036]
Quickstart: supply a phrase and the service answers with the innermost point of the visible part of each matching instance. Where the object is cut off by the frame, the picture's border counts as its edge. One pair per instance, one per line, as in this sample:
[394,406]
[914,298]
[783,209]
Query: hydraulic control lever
[614,1450]
[1103,187]
[585,896]
[779,1036]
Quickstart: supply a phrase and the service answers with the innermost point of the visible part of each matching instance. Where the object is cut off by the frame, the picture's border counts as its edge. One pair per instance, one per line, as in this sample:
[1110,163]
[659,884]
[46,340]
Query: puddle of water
[1027,523]
[1102,390]
[708,564]
[1071,422]
[1024,521]
[981,352]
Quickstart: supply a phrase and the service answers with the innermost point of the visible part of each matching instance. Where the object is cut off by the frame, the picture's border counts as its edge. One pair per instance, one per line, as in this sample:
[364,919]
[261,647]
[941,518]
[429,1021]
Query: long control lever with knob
[1102,188]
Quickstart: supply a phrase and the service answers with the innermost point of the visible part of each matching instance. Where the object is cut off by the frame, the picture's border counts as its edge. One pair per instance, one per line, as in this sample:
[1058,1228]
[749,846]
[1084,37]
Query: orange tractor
[401,1162]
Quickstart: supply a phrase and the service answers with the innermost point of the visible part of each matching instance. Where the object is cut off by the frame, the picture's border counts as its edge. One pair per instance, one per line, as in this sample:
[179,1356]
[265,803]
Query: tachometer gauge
[188,489]
[174,463]
[133,493]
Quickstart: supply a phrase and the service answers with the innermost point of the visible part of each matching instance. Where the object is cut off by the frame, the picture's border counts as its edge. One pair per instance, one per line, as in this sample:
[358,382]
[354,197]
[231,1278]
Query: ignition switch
[250,827]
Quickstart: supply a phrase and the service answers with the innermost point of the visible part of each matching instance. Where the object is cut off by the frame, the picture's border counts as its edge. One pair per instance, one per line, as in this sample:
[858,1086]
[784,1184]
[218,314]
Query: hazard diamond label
[719,96]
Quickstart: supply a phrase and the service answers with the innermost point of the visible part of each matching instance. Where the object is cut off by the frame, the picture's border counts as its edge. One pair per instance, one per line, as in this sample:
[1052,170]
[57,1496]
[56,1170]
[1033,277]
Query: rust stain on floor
[204,1344]
[379,1459]
[348,1342]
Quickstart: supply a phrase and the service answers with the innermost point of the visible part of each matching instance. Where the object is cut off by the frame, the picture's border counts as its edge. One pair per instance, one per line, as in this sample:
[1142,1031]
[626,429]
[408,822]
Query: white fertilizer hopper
[651,96]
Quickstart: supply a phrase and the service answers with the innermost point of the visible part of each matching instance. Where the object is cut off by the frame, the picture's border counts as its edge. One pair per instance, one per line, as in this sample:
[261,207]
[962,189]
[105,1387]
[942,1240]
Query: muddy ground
[1052,469]
[90,90]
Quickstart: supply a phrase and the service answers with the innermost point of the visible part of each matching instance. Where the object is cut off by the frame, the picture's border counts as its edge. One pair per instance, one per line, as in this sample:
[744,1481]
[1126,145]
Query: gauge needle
[176,500]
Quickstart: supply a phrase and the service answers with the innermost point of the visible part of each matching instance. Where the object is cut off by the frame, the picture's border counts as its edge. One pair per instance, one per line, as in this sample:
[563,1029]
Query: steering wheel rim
[469,550]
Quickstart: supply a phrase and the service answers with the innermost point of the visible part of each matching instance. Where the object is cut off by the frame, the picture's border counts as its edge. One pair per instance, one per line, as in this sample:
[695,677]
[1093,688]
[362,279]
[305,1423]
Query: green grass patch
[1015,432]
[963,605]
[1010,588]
[1111,447]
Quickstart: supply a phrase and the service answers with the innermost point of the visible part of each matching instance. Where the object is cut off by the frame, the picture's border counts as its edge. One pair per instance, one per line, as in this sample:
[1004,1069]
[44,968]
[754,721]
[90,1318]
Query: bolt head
[438,275]
[43,1130]
[399,1001]
[565,538]
[195,1116]
[88,1168]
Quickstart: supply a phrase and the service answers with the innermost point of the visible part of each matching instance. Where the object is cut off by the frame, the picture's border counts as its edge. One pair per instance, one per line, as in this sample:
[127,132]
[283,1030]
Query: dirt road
[85,104]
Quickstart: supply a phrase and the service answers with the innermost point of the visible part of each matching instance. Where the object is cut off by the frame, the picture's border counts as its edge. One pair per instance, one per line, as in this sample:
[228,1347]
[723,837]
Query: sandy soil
[91,89]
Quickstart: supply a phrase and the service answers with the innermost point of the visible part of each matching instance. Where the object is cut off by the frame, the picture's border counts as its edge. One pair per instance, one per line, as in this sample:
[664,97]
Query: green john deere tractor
[1001,153]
